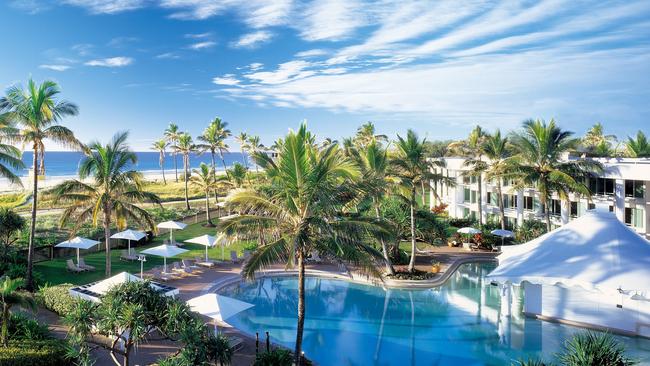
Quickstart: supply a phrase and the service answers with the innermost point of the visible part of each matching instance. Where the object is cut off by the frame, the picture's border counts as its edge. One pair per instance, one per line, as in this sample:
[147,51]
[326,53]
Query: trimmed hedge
[51,352]
[56,298]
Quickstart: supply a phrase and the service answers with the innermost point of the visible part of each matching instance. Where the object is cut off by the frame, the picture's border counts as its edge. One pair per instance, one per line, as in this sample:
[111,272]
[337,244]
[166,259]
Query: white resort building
[623,186]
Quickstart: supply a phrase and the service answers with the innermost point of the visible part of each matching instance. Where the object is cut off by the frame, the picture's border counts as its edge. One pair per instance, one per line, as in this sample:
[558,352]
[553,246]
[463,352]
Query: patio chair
[233,257]
[176,268]
[71,267]
[235,343]
[158,274]
[203,263]
[126,256]
[315,257]
[83,265]
[187,263]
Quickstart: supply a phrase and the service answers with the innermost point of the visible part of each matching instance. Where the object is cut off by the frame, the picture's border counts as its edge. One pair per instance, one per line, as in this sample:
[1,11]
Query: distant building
[623,186]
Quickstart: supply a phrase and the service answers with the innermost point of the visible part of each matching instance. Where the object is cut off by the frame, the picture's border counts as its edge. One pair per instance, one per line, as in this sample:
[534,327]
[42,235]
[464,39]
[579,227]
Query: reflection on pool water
[352,324]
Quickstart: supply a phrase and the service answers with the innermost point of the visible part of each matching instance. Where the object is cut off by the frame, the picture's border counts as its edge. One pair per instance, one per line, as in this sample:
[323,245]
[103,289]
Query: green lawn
[54,271]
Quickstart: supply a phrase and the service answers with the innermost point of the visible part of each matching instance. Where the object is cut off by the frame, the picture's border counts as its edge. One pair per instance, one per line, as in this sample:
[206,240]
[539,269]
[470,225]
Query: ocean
[66,163]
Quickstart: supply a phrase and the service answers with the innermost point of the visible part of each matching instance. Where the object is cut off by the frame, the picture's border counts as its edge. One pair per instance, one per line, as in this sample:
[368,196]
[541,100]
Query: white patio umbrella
[503,234]
[165,251]
[129,235]
[78,243]
[171,225]
[206,240]
[217,307]
[468,230]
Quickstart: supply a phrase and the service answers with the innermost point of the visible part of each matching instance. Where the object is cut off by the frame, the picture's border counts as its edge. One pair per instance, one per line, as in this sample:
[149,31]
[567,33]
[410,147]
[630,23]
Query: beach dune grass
[54,271]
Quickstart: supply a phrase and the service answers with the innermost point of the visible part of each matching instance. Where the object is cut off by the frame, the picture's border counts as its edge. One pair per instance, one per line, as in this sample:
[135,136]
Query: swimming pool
[353,324]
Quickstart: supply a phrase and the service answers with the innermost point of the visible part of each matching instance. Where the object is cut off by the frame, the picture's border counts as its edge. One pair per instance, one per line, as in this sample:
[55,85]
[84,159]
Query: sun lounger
[186,263]
[127,256]
[315,257]
[176,268]
[83,265]
[233,257]
[235,343]
[203,263]
[71,267]
[158,274]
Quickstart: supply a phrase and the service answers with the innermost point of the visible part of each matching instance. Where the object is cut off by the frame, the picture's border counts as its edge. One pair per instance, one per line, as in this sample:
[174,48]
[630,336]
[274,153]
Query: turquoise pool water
[352,324]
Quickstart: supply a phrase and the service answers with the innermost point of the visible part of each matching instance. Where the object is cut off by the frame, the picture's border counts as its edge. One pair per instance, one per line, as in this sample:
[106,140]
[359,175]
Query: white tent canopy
[206,240]
[94,291]
[78,243]
[129,235]
[217,307]
[165,251]
[595,251]
[171,225]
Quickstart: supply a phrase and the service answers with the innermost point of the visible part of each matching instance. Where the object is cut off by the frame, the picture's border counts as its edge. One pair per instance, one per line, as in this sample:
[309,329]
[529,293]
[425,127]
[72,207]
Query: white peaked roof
[78,243]
[94,291]
[217,307]
[172,225]
[207,240]
[164,251]
[129,235]
[595,251]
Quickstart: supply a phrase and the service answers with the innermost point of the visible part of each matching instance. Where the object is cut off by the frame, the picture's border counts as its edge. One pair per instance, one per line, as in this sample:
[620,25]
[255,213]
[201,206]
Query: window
[466,195]
[465,179]
[473,179]
[493,198]
[511,223]
[473,196]
[634,217]
[528,203]
[574,209]
[634,188]
[509,201]
[465,213]
[602,186]
[556,207]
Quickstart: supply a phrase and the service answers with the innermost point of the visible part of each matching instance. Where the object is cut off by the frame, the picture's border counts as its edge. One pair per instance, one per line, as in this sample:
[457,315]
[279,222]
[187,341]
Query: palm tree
[300,213]
[254,145]
[10,156]
[161,146]
[223,134]
[638,147]
[472,148]
[113,194]
[10,296]
[238,174]
[538,162]
[411,168]
[171,134]
[496,150]
[205,179]
[366,134]
[242,139]
[185,146]
[37,112]
[596,143]
[374,165]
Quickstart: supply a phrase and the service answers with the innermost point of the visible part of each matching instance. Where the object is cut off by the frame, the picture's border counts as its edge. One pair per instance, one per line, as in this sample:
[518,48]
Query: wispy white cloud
[202,45]
[255,66]
[227,79]
[287,71]
[198,35]
[83,49]
[311,53]
[107,6]
[168,55]
[264,13]
[121,42]
[331,20]
[111,62]
[54,67]
[252,40]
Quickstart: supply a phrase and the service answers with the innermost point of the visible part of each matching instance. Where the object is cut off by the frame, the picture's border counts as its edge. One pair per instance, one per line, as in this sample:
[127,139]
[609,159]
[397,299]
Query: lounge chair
[176,268]
[233,257]
[83,265]
[71,267]
[158,274]
[186,263]
[203,263]
[235,343]
[315,257]
[127,256]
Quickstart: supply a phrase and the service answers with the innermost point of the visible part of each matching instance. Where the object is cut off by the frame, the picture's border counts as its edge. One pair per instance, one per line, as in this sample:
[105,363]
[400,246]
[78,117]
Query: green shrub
[530,362]
[276,357]
[20,271]
[56,298]
[51,352]
[252,246]
[23,328]
[594,349]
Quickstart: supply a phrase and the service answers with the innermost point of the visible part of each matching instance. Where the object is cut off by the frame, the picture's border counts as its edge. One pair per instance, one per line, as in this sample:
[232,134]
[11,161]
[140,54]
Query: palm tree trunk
[186,162]
[32,228]
[162,168]
[424,199]
[207,207]
[5,325]
[175,166]
[547,214]
[502,214]
[107,238]
[480,199]
[214,174]
[384,248]
[301,309]
[413,249]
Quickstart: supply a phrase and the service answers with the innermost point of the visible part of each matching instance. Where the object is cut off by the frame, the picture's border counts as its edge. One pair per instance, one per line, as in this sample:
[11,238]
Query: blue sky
[439,67]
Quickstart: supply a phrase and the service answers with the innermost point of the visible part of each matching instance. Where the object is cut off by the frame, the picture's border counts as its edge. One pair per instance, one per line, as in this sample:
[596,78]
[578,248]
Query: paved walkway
[191,286]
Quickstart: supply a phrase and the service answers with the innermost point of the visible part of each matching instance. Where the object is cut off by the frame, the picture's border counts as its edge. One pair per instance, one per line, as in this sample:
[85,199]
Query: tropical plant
[161,146]
[638,147]
[185,146]
[11,224]
[238,174]
[495,148]
[10,296]
[538,162]
[172,133]
[366,133]
[274,357]
[411,168]
[596,143]
[37,111]
[10,156]
[80,320]
[472,148]
[299,213]
[592,349]
[222,132]
[242,140]
[205,179]
[113,194]
[254,146]
[529,230]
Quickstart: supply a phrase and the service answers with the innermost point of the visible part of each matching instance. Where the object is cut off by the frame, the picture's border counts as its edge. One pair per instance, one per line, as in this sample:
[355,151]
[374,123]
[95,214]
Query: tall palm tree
[37,111]
[112,195]
[374,165]
[472,149]
[161,146]
[638,147]
[300,213]
[10,296]
[596,143]
[10,156]
[254,146]
[185,146]
[242,139]
[223,133]
[238,174]
[210,142]
[411,168]
[496,150]
[538,162]
[205,179]
[171,134]
[366,134]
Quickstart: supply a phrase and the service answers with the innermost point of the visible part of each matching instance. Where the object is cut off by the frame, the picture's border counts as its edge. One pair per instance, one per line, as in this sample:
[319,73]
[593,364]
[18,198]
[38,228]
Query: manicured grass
[13,200]
[54,271]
